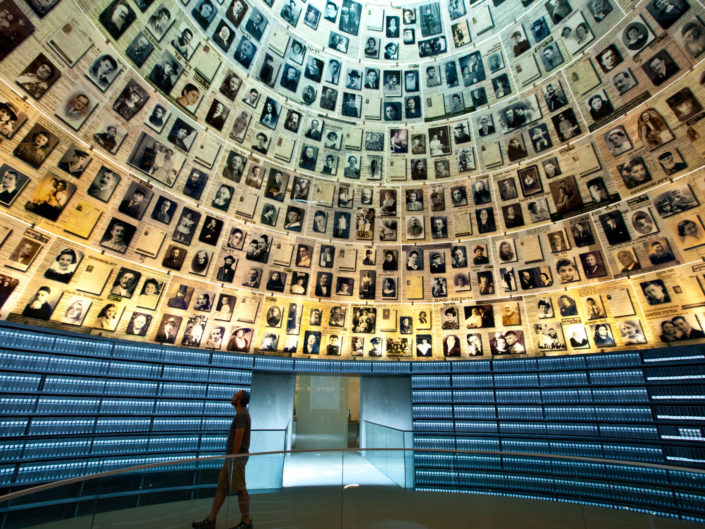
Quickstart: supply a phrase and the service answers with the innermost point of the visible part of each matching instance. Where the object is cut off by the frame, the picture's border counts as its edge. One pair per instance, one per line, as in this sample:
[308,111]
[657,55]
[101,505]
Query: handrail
[69,481]
[385,426]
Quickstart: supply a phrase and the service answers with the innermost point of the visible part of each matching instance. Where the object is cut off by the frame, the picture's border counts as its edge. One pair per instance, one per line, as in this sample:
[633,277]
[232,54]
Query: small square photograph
[516,148]
[631,332]
[131,100]
[576,33]
[684,104]
[635,172]
[103,71]
[529,180]
[352,106]
[566,124]
[109,136]
[166,72]
[36,146]
[672,162]
[231,85]
[618,141]
[135,201]
[223,36]
[624,81]
[183,42]
[12,182]
[614,227]
[439,140]
[217,115]
[593,265]
[104,184]
[159,22]
[507,189]
[567,271]
[676,200]
[690,232]
[139,324]
[549,336]
[140,49]
[540,137]
[507,342]
[24,254]
[599,105]
[190,97]
[460,31]
[660,67]
[594,308]
[551,56]
[506,251]
[118,235]
[544,307]
[609,58]
[236,12]
[340,43]
[627,261]
[518,41]
[472,69]
[666,13]
[655,292]
[507,279]
[50,197]
[61,269]
[312,17]
[558,10]
[125,283]
[680,327]
[245,52]
[601,335]
[513,216]
[554,95]
[539,29]
[636,35]
[76,310]
[158,117]
[17,27]
[116,18]
[42,304]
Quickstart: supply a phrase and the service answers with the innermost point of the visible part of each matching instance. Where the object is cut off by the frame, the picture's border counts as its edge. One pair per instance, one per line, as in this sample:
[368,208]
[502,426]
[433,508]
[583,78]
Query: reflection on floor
[376,507]
[331,468]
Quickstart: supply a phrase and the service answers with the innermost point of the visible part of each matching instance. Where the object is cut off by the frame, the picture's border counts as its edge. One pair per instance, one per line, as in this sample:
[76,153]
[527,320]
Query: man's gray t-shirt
[241,420]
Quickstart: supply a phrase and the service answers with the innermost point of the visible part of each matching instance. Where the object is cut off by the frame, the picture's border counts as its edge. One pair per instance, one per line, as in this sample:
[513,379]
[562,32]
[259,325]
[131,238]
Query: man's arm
[237,442]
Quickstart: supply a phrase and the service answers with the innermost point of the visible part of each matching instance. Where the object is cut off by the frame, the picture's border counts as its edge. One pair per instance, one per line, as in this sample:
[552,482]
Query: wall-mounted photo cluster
[440,180]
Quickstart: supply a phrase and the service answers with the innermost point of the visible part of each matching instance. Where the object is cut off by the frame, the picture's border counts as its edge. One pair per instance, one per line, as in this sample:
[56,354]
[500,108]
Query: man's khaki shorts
[232,475]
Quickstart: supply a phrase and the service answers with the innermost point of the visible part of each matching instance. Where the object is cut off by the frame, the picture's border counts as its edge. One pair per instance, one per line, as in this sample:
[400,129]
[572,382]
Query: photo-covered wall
[443,180]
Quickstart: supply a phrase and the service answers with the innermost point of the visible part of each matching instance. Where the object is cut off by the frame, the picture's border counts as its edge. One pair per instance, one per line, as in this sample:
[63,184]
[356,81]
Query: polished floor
[376,507]
[331,468]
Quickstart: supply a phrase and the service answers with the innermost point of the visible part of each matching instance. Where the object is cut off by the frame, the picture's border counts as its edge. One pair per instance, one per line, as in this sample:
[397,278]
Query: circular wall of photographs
[447,179]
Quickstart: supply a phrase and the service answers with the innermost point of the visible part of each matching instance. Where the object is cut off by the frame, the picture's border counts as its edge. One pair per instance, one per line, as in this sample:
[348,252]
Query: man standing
[232,474]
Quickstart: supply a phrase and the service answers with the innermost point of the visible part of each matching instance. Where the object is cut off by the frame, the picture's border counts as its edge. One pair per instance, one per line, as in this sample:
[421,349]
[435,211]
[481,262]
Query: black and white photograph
[660,67]
[36,146]
[131,100]
[109,136]
[103,70]
[12,182]
[667,12]
[104,184]
[576,33]
[166,72]
[118,235]
[39,76]
[140,49]
[636,35]
[117,17]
